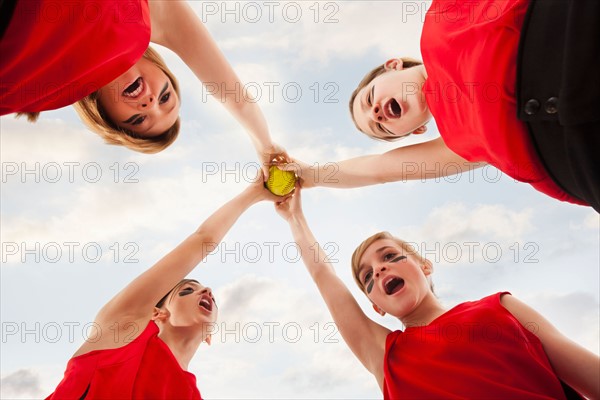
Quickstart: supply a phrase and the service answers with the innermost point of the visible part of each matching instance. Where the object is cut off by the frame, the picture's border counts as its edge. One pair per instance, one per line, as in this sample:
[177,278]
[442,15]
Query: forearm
[215,227]
[364,337]
[250,116]
[140,295]
[352,173]
[179,29]
[428,160]
[312,254]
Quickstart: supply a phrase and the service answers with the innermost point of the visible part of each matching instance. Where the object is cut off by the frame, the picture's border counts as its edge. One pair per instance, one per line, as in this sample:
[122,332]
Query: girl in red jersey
[509,82]
[95,54]
[156,335]
[475,350]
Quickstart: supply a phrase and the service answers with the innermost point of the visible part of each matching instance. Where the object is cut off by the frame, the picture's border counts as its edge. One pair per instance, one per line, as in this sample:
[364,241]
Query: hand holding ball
[280,183]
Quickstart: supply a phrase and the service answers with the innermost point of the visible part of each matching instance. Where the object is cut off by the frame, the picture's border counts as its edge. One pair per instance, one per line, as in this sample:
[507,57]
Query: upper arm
[137,299]
[177,27]
[125,316]
[161,19]
[572,363]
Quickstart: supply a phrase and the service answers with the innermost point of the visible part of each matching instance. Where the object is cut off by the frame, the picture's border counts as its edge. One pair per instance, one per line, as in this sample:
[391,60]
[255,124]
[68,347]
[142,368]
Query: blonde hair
[407,62]
[360,250]
[94,117]
[31,116]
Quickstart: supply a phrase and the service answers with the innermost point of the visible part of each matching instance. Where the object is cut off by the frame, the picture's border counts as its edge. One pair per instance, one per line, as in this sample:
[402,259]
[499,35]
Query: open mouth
[135,89]
[393,285]
[392,109]
[206,303]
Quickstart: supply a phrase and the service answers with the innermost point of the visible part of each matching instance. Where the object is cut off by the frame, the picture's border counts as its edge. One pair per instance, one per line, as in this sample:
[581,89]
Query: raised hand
[273,154]
[303,171]
[290,207]
[260,192]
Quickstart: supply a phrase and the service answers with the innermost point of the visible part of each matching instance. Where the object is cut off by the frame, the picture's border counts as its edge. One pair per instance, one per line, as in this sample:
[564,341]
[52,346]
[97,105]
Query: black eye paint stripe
[370,286]
[185,292]
[130,120]
[398,258]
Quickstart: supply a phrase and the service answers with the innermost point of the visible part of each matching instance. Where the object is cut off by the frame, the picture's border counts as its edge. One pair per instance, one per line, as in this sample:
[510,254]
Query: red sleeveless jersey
[470,53]
[143,369]
[476,350]
[54,53]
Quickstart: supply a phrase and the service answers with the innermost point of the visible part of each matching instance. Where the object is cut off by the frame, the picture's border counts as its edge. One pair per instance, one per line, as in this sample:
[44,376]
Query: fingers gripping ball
[280,182]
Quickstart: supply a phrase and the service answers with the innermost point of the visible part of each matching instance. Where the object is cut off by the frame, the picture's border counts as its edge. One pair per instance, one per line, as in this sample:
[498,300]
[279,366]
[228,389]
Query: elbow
[380,177]
[206,237]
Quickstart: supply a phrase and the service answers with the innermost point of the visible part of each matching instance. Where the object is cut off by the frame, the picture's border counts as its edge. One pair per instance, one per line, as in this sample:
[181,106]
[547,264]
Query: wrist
[296,219]
[250,196]
[264,146]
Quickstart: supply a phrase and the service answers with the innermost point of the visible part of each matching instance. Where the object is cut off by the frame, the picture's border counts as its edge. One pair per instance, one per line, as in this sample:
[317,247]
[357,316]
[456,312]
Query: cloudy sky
[80,219]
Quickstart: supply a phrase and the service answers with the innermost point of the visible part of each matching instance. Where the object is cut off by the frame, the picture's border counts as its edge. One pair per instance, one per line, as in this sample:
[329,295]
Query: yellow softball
[280,182]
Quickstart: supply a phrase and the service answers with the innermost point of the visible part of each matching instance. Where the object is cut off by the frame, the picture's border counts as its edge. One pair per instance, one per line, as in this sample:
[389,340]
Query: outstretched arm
[135,303]
[574,365]
[432,159]
[365,338]
[176,26]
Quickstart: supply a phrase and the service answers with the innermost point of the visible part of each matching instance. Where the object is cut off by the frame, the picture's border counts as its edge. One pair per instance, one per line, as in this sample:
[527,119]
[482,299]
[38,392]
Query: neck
[182,342]
[423,70]
[424,313]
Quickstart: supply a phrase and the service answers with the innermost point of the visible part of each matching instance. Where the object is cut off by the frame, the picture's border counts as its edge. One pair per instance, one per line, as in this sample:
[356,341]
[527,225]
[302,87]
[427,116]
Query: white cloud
[48,140]
[278,339]
[332,369]
[323,31]
[456,222]
[592,221]
[251,297]
[21,384]
[176,192]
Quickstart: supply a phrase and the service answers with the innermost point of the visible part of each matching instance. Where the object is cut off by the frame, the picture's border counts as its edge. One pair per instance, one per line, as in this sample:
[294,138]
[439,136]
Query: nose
[380,270]
[147,102]
[206,290]
[377,113]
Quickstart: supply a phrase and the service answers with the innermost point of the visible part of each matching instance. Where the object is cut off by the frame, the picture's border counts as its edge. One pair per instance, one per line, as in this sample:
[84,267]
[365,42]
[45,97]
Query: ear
[427,267]
[159,314]
[394,64]
[378,310]
[420,130]
[208,339]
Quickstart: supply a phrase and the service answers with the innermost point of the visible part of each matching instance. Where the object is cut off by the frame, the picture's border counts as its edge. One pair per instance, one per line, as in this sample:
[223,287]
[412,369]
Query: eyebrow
[360,269]
[383,248]
[191,285]
[363,103]
[364,108]
[164,89]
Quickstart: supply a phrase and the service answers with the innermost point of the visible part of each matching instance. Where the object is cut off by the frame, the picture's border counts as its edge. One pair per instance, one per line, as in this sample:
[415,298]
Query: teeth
[135,88]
